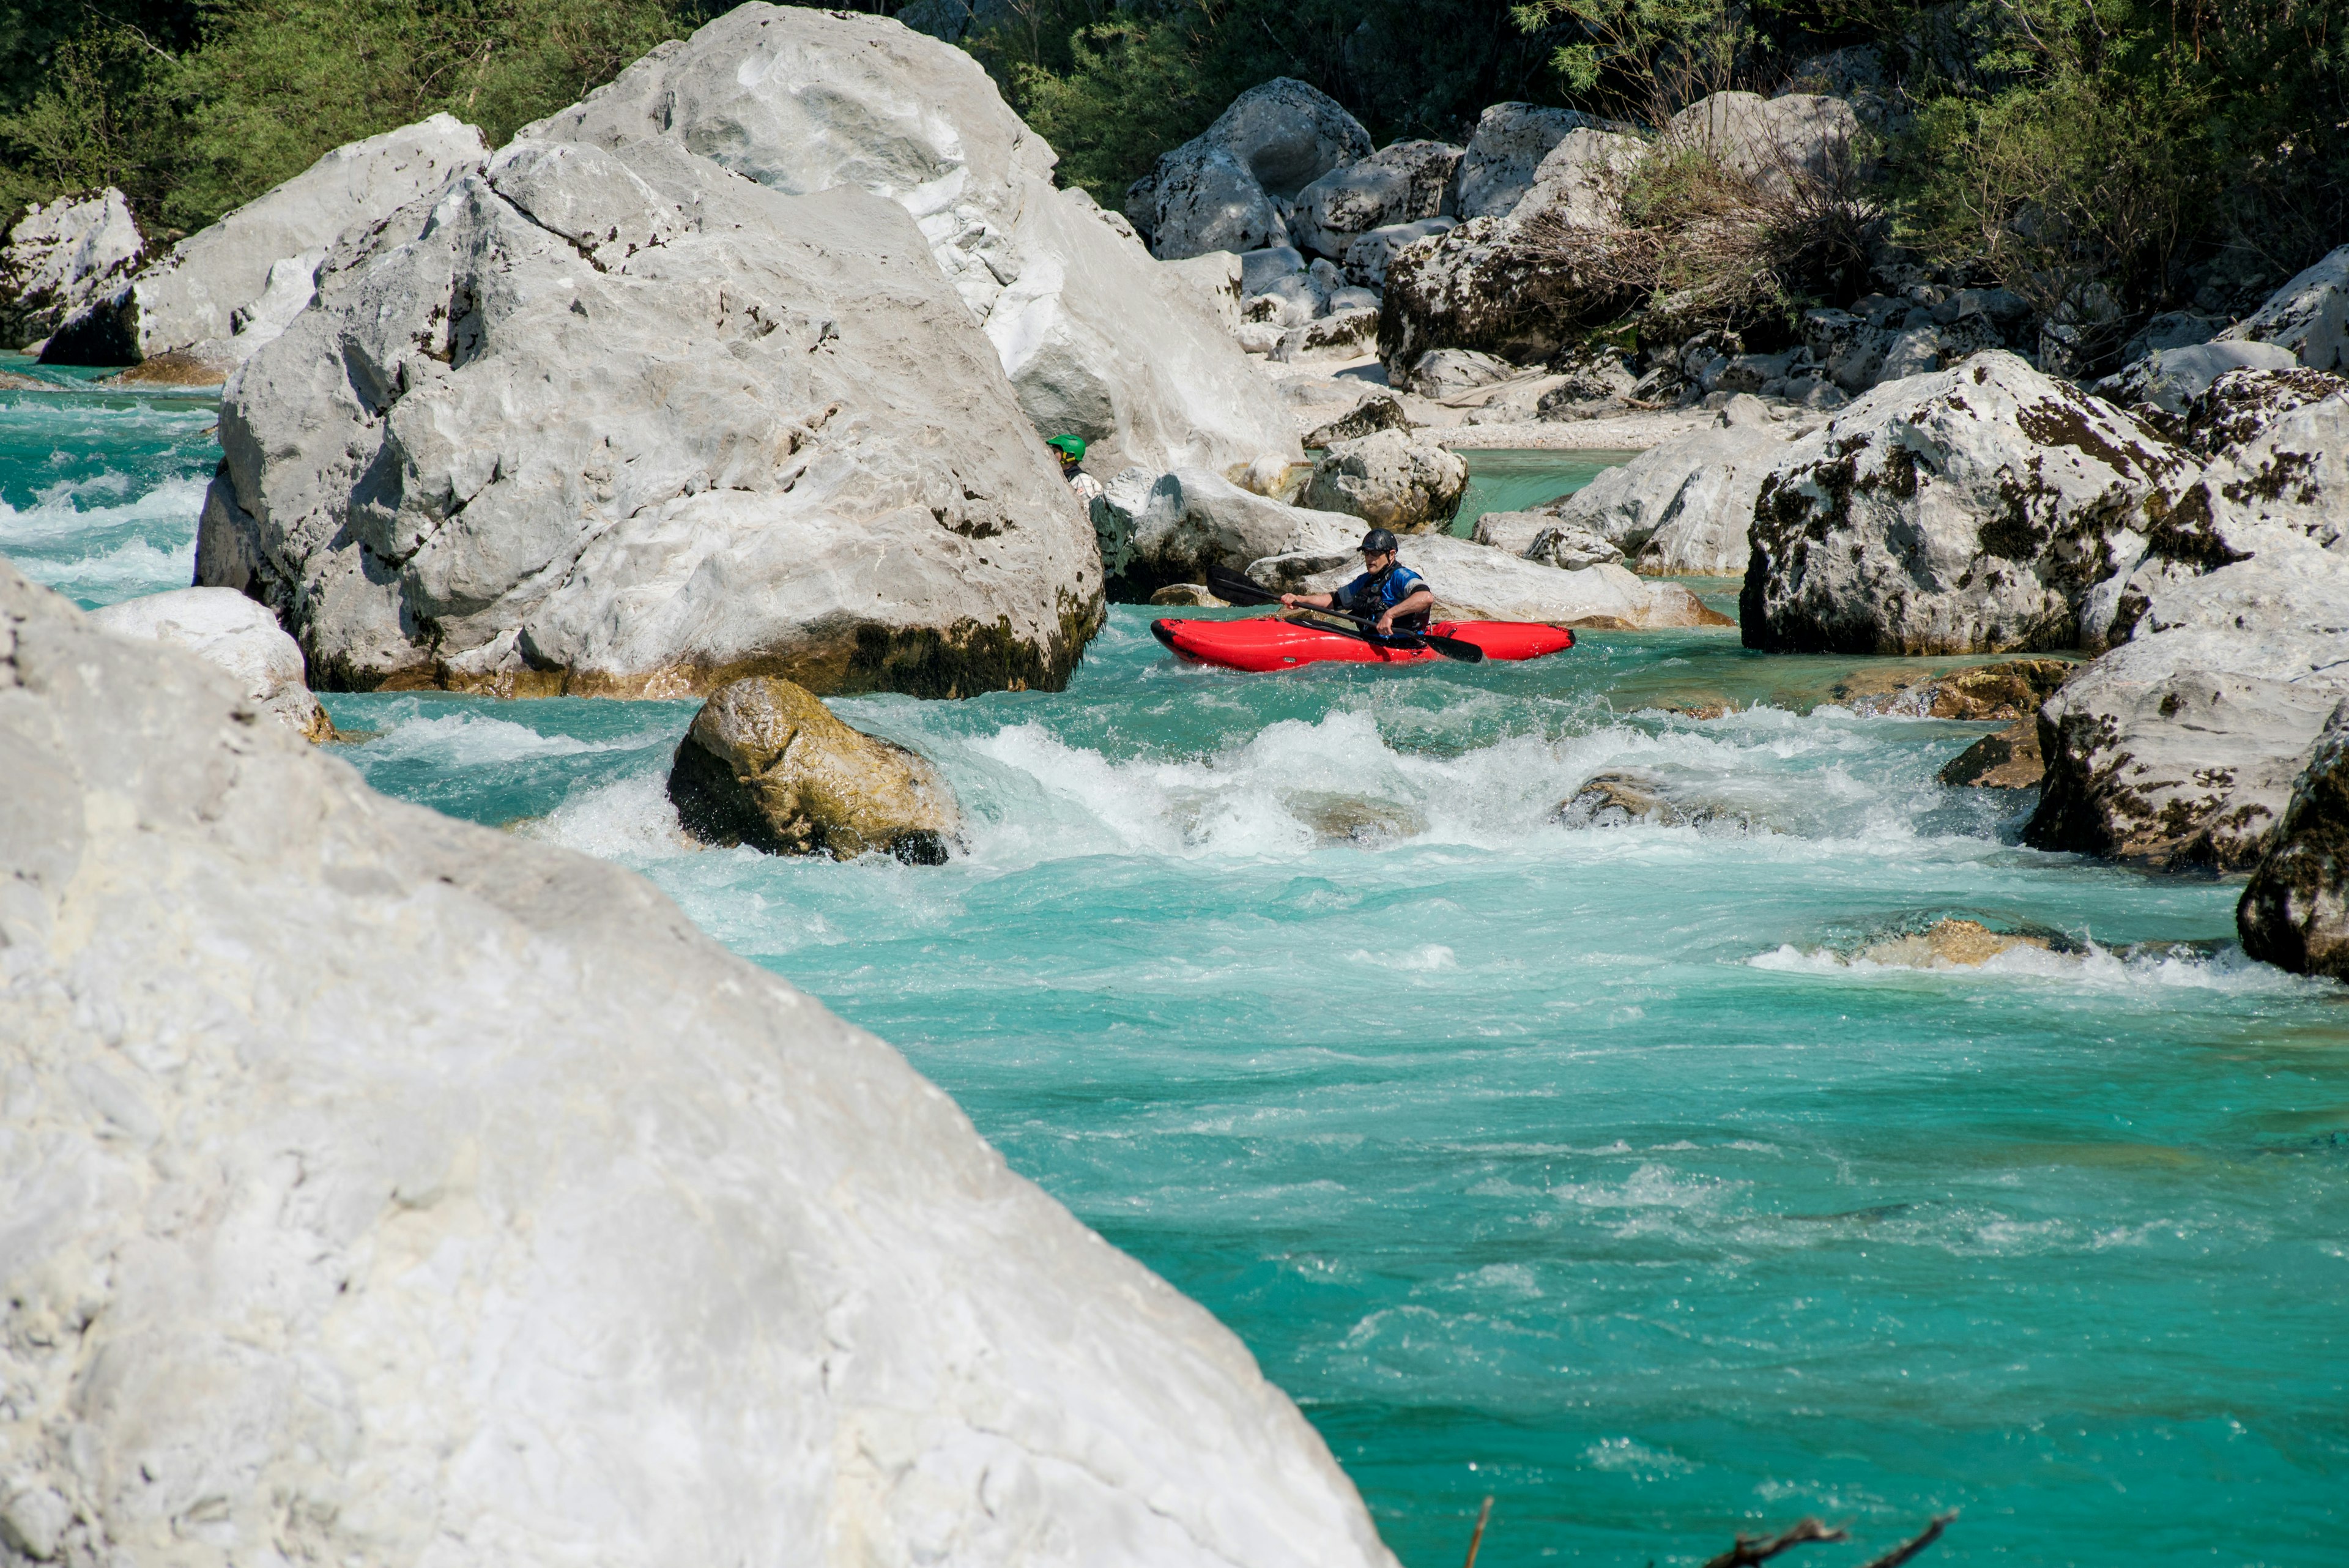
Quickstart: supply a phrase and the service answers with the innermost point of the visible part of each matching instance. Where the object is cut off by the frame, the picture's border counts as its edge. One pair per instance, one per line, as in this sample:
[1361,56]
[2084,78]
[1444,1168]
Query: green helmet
[1073,446]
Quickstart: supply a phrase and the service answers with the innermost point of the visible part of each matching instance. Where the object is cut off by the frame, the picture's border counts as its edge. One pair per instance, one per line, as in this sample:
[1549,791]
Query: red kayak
[1268,644]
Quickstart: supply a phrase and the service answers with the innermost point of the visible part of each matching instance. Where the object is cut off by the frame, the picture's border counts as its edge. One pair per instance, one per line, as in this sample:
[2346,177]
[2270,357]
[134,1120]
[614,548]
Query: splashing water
[1601,1170]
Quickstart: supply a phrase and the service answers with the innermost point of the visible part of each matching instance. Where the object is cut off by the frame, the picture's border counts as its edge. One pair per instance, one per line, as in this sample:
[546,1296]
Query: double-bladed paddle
[1234,589]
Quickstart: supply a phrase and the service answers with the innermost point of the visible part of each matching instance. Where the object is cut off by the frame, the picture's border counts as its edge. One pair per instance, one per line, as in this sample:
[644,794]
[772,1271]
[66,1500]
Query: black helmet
[1378,542]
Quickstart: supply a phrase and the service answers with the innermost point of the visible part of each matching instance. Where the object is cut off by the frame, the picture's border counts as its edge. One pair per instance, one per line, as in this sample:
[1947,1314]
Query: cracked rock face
[1098,340]
[386,1189]
[1969,511]
[2295,912]
[625,423]
[60,257]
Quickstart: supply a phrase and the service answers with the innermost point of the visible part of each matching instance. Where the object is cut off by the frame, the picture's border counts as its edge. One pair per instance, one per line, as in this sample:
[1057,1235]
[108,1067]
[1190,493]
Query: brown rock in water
[2295,912]
[1193,595]
[173,369]
[1966,942]
[2012,690]
[1618,800]
[765,763]
[2008,760]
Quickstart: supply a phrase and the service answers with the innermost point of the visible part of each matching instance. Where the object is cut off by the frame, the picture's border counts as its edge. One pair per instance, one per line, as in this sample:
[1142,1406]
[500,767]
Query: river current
[1599,1170]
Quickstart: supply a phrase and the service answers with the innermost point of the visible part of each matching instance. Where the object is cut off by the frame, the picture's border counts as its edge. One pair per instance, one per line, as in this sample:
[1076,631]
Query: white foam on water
[630,821]
[468,740]
[2095,967]
[1626,1456]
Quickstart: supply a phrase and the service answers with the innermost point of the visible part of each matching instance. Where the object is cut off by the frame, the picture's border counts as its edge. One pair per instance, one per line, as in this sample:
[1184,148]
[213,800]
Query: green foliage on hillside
[194,105]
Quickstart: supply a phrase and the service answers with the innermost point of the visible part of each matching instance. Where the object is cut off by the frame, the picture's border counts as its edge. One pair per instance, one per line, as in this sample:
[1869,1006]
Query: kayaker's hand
[1386,624]
[1289,601]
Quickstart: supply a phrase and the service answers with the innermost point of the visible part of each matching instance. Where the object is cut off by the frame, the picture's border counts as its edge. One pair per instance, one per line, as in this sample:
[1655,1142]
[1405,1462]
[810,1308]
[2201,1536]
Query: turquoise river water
[1591,1171]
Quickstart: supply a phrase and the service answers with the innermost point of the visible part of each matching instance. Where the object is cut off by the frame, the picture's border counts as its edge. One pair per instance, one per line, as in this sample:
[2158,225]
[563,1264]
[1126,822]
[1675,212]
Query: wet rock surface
[2294,913]
[765,763]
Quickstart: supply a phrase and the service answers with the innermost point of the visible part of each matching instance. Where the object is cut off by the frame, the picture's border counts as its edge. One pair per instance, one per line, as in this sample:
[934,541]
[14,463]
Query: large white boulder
[625,423]
[2171,380]
[1684,505]
[1580,183]
[1506,150]
[2181,745]
[1372,251]
[1775,142]
[2296,911]
[61,256]
[201,295]
[1232,186]
[1402,182]
[383,1189]
[2309,316]
[1969,511]
[224,627]
[1479,582]
[1098,340]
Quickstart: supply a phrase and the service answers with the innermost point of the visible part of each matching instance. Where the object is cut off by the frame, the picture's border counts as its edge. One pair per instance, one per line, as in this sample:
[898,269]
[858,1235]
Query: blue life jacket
[1373,593]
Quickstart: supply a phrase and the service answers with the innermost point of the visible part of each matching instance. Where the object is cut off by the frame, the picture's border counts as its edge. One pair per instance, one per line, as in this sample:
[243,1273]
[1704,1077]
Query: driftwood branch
[1753,1549]
[1907,1549]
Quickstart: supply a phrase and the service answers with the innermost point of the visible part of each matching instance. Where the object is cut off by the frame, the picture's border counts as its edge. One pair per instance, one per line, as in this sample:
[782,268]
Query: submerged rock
[627,424]
[230,287]
[224,627]
[2008,760]
[1097,338]
[765,763]
[1355,819]
[1951,943]
[387,1187]
[61,256]
[1619,800]
[1390,479]
[2295,912]
[1969,511]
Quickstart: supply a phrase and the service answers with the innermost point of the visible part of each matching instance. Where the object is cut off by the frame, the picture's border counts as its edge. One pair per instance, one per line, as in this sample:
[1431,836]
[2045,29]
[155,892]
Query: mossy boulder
[765,763]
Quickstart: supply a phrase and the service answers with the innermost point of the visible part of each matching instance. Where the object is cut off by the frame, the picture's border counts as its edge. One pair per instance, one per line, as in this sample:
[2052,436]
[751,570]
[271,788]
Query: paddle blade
[1453,648]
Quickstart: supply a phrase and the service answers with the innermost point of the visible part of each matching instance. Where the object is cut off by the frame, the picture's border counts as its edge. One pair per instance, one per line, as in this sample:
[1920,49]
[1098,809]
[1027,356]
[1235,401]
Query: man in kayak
[1073,453]
[1398,597]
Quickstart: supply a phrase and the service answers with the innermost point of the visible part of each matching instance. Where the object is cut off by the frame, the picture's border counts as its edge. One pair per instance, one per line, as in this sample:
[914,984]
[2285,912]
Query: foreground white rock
[1479,582]
[1971,510]
[59,257]
[201,295]
[386,1189]
[1100,341]
[223,627]
[629,424]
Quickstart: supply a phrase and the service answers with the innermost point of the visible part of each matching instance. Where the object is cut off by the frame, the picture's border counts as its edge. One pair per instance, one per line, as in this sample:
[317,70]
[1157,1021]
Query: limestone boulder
[1684,505]
[1580,183]
[224,627]
[626,423]
[765,763]
[1377,412]
[1169,528]
[1351,333]
[62,256]
[1369,255]
[1233,186]
[2294,913]
[2239,405]
[232,286]
[1402,182]
[1969,511]
[1775,142]
[2308,316]
[1514,531]
[1506,150]
[1446,373]
[1571,546]
[1098,340]
[1218,276]
[1479,582]
[1481,286]
[2168,381]
[385,1189]
[1390,479]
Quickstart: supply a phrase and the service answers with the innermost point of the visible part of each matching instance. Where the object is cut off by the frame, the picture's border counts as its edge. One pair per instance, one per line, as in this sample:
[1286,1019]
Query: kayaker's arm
[1308,601]
[1413,602]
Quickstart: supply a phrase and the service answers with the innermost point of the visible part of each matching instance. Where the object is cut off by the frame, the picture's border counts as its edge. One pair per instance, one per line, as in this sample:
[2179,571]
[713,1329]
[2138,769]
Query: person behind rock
[1399,596]
[1072,453]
